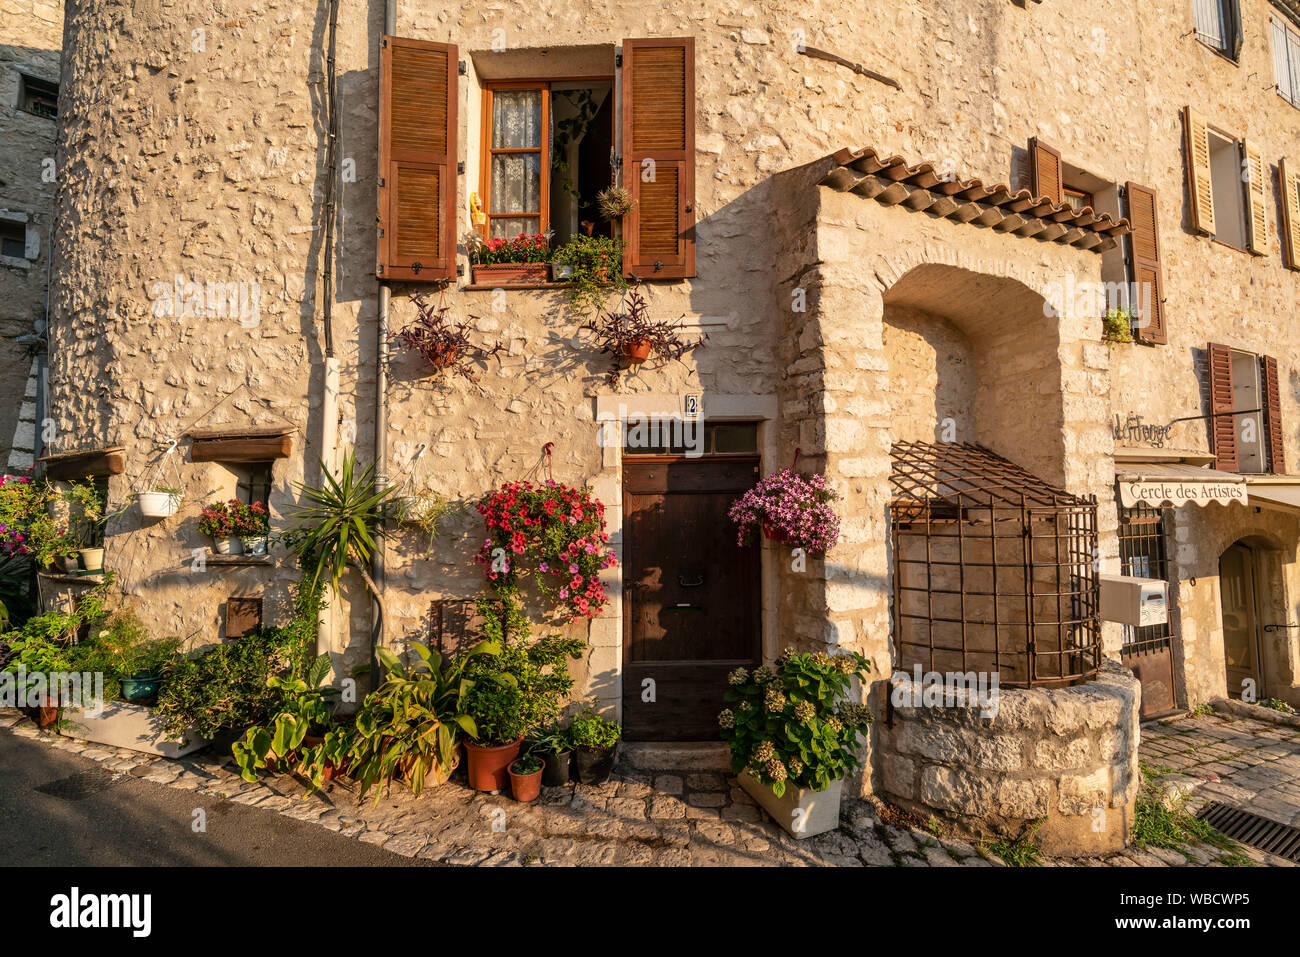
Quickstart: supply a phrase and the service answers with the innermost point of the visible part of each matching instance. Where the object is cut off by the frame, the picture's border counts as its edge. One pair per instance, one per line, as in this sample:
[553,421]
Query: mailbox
[1134,601]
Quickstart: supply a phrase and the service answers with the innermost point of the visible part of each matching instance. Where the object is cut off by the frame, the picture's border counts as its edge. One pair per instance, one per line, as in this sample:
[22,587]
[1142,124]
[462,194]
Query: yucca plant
[335,526]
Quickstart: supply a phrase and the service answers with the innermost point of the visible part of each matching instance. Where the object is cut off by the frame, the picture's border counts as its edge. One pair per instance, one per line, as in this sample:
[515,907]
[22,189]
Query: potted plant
[305,711]
[593,267]
[632,337]
[137,661]
[513,692]
[790,507]
[522,259]
[526,778]
[615,202]
[89,515]
[551,744]
[160,501]
[1117,325]
[595,740]
[408,727]
[252,525]
[557,529]
[216,522]
[424,509]
[443,343]
[30,529]
[794,735]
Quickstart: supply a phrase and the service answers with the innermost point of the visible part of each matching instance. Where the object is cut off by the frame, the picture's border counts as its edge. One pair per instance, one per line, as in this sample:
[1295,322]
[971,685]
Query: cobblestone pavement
[702,818]
[1235,760]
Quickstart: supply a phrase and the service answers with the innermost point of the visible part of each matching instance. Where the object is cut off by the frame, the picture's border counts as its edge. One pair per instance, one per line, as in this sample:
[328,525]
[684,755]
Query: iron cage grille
[994,569]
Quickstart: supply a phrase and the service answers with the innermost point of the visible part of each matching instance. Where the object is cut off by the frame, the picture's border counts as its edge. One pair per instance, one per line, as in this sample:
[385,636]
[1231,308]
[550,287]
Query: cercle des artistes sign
[1156,492]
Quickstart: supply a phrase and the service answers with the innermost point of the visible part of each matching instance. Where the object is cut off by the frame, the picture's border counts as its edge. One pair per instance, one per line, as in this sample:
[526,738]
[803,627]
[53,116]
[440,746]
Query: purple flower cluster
[790,505]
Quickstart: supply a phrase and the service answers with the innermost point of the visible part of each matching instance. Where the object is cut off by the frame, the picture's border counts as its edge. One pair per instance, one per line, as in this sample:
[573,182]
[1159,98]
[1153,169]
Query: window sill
[16,262]
[485,286]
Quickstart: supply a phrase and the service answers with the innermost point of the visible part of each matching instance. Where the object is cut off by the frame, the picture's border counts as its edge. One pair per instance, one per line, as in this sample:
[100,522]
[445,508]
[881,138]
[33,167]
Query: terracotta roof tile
[891,181]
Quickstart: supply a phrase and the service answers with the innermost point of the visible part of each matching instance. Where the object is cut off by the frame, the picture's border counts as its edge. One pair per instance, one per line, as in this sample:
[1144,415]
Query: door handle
[696,583]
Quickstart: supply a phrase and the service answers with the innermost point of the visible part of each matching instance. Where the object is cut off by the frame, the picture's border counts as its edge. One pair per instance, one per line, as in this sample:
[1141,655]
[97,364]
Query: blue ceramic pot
[140,686]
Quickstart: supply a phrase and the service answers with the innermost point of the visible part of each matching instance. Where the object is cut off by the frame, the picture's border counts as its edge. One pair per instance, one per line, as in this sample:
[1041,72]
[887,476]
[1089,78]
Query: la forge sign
[1173,492]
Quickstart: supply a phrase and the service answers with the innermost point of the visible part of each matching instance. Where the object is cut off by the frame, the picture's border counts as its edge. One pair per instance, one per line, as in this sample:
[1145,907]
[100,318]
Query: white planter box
[125,725]
[803,813]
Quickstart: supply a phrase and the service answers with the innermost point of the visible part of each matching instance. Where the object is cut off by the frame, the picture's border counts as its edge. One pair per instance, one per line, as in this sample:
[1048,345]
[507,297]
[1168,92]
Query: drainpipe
[330,403]
[377,626]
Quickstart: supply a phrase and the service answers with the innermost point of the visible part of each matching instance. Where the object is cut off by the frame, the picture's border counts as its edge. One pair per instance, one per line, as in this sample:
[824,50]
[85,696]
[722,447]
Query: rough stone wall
[208,164]
[31,43]
[1066,757]
[190,147]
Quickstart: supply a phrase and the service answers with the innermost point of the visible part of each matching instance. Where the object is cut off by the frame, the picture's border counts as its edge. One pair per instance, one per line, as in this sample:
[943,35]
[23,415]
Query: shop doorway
[1239,609]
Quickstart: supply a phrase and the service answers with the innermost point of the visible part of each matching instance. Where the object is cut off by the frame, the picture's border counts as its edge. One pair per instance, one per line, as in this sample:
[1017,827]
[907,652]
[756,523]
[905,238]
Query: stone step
[676,755]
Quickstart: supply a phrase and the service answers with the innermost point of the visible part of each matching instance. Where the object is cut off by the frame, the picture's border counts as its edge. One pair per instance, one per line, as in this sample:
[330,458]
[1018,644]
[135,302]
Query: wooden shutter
[1290,214]
[1272,403]
[1257,205]
[659,156]
[1144,268]
[417,160]
[1223,428]
[1199,186]
[1046,175]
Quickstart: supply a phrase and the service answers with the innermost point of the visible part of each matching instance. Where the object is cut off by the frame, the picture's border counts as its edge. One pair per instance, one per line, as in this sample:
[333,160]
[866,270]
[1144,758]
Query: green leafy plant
[526,764]
[424,509]
[1117,325]
[595,270]
[794,723]
[522,687]
[1022,852]
[630,325]
[227,687]
[335,527]
[591,731]
[1277,704]
[411,721]
[615,202]
[549,738]
[306,707]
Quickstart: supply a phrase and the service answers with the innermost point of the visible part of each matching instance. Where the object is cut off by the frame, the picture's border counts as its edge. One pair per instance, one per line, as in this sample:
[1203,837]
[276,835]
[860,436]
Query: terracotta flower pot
[45,715]
[636,352]
[510,273]
[489,767]
[526,787]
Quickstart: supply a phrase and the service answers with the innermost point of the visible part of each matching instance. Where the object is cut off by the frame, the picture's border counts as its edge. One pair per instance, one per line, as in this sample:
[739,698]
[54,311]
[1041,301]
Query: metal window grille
[1143,552]
[994,569]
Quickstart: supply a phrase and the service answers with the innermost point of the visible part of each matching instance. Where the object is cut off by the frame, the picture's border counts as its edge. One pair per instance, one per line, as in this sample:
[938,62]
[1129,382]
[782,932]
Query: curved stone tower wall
[188,263]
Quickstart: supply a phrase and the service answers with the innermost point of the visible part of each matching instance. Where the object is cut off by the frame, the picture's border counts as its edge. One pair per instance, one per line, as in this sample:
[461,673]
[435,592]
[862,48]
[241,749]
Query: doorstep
[680,755]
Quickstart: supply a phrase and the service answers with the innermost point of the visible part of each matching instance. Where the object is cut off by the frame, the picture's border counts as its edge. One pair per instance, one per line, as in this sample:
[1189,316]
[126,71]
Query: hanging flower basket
[159,502]
[789,507]
[556,529]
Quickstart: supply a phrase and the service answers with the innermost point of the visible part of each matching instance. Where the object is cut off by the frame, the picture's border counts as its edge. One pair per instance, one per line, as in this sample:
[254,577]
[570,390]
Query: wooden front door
[1240,622]
[691,595]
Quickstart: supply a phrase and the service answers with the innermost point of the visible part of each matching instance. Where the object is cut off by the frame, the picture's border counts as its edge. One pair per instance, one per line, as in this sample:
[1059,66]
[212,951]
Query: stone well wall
[1066,756]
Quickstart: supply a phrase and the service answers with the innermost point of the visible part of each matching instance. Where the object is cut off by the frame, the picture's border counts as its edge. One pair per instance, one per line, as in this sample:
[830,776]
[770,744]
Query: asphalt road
[60,809]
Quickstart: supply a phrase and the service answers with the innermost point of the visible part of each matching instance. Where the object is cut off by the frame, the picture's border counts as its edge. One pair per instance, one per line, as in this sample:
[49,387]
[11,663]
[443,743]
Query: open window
[547,148]
[1225,177]
[1246,411]
[38,97]
[1218,26]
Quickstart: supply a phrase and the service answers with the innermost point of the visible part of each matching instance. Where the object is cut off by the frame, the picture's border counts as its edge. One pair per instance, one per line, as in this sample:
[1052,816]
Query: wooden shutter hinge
[381,182]
[460,67]
[618,61]
[460,269]
[460,167]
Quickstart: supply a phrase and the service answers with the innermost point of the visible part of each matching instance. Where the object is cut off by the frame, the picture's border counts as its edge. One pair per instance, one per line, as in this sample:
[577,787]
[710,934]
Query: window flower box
[510,273]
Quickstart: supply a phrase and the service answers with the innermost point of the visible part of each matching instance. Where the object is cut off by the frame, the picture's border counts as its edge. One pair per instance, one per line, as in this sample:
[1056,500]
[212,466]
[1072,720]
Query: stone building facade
[31,44]
[853,298]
